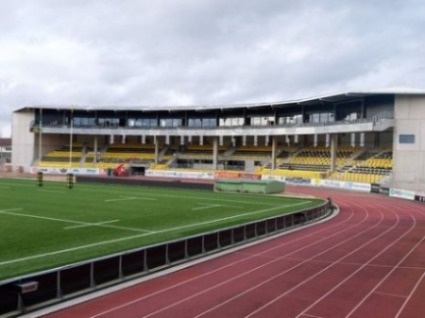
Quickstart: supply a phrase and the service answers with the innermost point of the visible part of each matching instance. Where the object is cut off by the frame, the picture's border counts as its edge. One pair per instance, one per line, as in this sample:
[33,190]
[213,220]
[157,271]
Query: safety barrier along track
[54,286]
[366,262]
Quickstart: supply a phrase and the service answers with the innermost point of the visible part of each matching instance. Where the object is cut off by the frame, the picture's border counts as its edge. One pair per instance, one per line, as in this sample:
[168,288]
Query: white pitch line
[89,224]
[159,196]
[123,198]
[227,218]
[206,206]
[215,205]
[8,211]
[219,199]
[71,249]
[76,248]
[71,221]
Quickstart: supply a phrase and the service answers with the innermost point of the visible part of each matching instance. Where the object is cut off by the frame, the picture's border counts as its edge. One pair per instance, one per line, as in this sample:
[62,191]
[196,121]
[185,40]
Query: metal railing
[34,124]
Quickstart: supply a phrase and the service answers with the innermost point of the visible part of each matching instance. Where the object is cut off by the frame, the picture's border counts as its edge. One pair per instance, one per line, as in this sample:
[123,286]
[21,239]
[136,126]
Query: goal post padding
[249,186]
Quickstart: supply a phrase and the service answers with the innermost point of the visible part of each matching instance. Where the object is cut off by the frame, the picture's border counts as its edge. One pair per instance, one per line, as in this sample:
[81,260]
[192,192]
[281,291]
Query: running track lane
[369,261]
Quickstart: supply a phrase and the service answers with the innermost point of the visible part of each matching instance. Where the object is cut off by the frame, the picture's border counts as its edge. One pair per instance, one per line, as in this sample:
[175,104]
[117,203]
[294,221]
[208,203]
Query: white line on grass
[229,217]
[217,199]
[90,224]
[71,221]
[123,198]
[71,249]
[18,260]
[212,205]
[159,196]
[205,206]
[114,192]
[8,211]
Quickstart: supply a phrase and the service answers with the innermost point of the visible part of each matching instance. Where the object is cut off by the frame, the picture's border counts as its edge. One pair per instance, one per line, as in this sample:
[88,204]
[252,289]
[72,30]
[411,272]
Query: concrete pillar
[95,150]
[274,148]
[215,153]
[333,140]
[156,141]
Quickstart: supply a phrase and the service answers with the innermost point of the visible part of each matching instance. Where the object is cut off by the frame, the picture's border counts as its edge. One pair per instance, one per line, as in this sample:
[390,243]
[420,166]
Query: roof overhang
[331,98]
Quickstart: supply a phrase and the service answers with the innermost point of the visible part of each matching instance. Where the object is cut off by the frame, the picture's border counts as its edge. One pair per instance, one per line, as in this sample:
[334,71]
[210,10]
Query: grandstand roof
[311,100]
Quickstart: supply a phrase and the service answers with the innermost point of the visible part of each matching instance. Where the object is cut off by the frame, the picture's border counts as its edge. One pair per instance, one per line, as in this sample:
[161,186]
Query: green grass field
[49,226]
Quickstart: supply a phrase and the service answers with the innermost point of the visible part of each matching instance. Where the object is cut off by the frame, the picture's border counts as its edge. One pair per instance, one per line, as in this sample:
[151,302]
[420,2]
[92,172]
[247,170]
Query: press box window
[406,139]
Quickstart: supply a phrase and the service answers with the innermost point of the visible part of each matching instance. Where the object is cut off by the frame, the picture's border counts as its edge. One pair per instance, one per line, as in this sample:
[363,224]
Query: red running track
[369,261]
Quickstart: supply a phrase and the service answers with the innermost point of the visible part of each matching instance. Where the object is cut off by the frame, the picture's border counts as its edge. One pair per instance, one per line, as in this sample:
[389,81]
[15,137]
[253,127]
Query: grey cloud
[125,52]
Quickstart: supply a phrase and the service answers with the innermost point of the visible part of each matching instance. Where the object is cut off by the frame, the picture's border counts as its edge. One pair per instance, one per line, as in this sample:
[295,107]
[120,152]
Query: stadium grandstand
[353,138]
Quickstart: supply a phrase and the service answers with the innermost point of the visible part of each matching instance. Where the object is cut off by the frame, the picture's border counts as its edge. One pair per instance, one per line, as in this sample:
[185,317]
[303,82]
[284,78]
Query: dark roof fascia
[279,104]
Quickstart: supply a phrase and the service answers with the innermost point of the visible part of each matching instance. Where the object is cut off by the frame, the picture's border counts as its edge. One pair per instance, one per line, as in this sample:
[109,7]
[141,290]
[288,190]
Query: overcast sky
[189,52]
